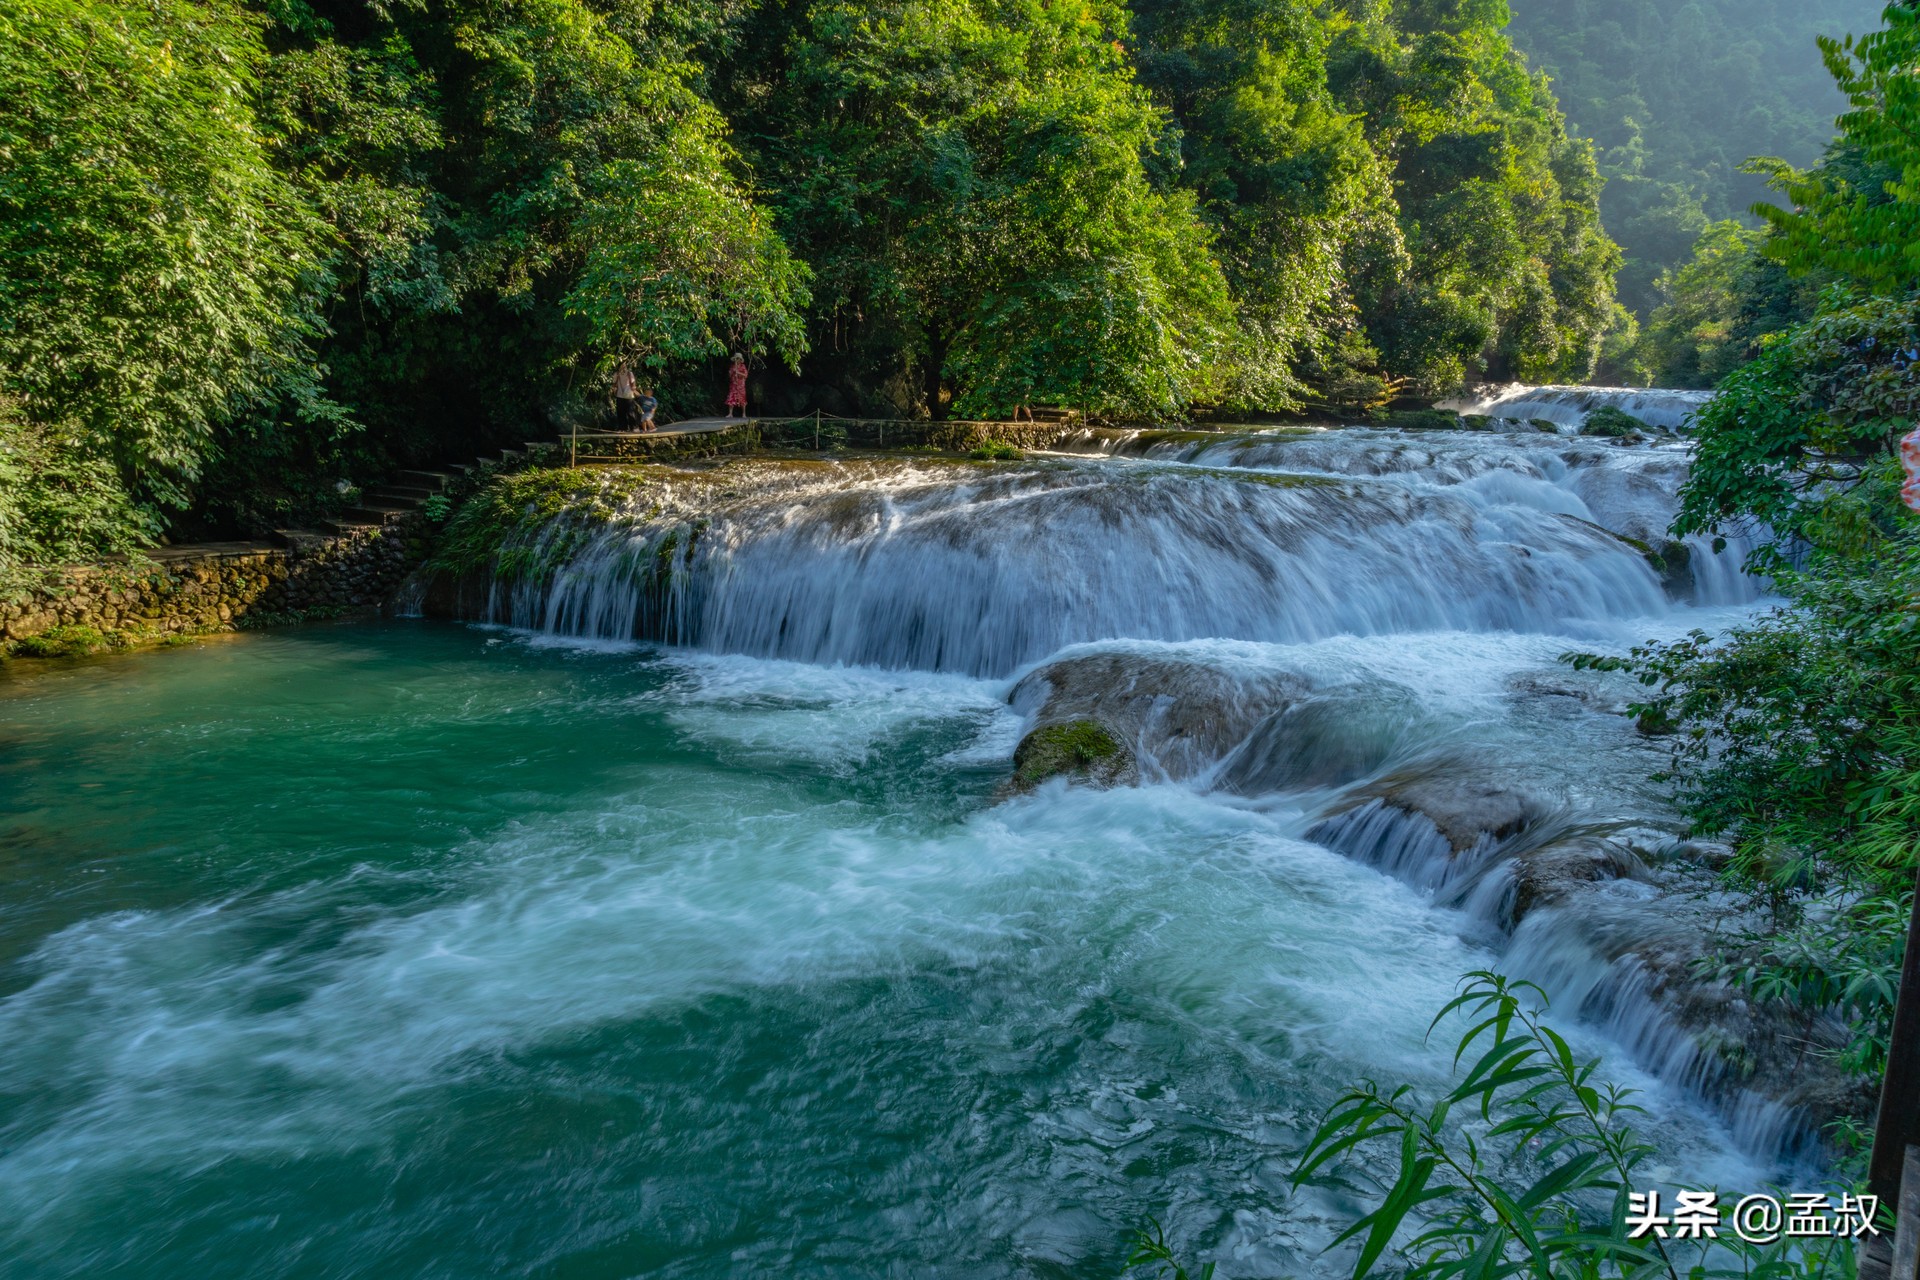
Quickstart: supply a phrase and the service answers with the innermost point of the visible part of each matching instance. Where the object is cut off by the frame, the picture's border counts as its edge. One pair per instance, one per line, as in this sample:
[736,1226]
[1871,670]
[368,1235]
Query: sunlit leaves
[680,265]
[1870,237]
[151,257]
[1800,440]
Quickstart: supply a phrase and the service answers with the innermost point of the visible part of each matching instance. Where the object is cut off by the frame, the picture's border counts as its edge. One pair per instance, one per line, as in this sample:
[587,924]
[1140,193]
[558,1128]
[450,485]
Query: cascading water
[1280,538]
[1632,492]
[1569,407]
[935,569]
[387,949]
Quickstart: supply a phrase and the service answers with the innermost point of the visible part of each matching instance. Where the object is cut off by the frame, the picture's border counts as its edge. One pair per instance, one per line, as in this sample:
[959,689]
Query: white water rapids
[545,947]
[1265,537]
[1567,408]
[1408,557]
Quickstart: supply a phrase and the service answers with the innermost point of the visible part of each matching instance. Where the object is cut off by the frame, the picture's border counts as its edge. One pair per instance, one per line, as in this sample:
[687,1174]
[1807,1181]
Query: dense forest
[1676,97]
[255,251]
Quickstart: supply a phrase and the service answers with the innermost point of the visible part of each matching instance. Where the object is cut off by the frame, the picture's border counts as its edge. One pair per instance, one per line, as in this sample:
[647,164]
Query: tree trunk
[937,344]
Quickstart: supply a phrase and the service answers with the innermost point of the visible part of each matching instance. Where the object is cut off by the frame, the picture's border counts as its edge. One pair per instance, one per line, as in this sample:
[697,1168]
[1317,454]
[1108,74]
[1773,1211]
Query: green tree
[1283,174]
[652,293]
[1691,340]
[1801,439]
[1867,236]
[155,268]
[1508,269]
[966,181]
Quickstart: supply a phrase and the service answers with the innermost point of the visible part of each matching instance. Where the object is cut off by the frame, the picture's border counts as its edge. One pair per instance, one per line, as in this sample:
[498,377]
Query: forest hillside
[1677,97]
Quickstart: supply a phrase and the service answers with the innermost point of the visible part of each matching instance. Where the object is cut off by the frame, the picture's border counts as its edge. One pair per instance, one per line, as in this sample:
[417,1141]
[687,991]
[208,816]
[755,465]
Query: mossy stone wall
[217,587]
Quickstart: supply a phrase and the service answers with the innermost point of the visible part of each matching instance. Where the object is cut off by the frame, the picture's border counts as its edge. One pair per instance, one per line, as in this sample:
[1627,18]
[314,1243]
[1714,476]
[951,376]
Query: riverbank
[176,593]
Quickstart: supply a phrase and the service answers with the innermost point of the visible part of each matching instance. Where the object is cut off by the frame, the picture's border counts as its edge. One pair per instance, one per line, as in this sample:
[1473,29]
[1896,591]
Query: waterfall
[1568,407]
[1352,578]
[950,572]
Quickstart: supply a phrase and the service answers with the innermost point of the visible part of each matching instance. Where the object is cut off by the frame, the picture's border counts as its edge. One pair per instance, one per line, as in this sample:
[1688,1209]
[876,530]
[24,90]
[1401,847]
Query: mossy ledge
[1084,750]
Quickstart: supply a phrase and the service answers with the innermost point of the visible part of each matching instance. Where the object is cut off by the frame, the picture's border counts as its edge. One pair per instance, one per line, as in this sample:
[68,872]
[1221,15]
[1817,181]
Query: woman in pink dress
[737,386]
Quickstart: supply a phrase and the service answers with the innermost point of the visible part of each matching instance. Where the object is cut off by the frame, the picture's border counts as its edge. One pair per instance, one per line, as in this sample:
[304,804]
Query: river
[535,945]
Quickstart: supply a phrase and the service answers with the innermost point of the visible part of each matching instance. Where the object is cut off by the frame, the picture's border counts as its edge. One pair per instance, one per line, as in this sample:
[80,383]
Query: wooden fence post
[1893,1172]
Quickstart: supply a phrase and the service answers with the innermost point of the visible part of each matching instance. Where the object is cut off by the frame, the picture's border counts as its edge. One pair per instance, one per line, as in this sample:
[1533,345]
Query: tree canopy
[254,251]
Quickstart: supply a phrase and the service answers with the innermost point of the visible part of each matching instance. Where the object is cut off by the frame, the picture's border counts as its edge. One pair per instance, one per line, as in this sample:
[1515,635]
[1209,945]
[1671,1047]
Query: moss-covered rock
[67,642]
[1079,749]
[1614,423]
[995,451]
[1423,420]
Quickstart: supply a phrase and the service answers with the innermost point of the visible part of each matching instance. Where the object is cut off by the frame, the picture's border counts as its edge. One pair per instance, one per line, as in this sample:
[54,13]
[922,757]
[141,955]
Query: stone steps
[433,481]
[412,495]
[377,512]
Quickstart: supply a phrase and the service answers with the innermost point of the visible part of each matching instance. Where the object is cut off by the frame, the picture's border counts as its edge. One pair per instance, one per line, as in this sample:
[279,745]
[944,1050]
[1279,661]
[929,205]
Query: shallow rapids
[423,950]
[543,947]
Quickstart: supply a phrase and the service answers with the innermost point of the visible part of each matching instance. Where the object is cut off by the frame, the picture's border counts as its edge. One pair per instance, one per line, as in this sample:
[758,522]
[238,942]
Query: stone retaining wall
[221,587]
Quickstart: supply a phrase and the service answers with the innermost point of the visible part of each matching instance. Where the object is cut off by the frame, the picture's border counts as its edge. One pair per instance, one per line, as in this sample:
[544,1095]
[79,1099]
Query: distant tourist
[625,412]
[737,386]
[647,406]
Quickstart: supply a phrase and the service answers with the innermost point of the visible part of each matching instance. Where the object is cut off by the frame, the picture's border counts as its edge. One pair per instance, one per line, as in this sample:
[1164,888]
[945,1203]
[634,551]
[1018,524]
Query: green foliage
[1801,439]
[1839,957]
[996,451]
[373,237]
[1865,232]
[1507,269]
[1150,1249]
[1536,1182]
[966,180]
[60,502]
[652,293]
[152,258]
[1797,736]
[1287,179]
[1675,97]
[1692,339]
[1796,733]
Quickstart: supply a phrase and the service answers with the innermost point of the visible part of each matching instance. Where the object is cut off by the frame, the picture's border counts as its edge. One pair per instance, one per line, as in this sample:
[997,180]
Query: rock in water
[1083,750]
[1167,717]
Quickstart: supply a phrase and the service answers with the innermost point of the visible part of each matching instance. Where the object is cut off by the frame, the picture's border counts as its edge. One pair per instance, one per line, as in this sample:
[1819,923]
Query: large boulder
[1256,732]
[1167,717]
[1464,801]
